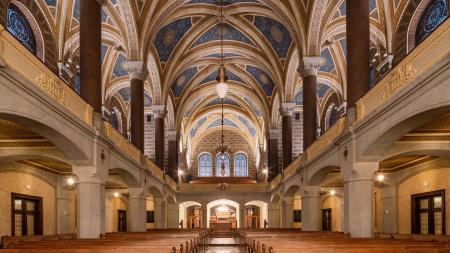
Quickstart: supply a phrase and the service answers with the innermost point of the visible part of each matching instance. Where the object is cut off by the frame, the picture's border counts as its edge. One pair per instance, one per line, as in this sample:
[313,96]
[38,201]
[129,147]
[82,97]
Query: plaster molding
[310,65]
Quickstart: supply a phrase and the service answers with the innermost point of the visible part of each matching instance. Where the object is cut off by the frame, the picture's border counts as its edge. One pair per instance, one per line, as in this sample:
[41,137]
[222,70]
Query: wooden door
[326,219]
[122,222]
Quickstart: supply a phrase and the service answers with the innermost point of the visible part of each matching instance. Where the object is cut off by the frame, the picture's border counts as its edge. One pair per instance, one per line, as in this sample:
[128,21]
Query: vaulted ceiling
[179,40]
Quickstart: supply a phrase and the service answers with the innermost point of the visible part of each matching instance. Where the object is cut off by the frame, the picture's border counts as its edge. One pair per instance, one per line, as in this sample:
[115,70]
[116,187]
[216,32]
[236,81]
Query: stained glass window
[205,165]
[77,83]
[433,15]
[334,116]
[223,159]
[20,28]
[240,165]
[114,120]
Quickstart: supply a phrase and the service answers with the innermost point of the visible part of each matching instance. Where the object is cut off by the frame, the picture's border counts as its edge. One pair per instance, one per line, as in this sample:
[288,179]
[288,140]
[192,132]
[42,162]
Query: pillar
[311,206]
[204,215]
[109,224]
[159,114]
[274,215]
[358,199]
[286,114]
[273,154]
[160,209]
[241,215]
[90,54]
[137,72]
[288,212]
[90,202]
[137,210]
[358,46]
[308,70]
[63,202]
[173,155]
[172,214]
[389,210]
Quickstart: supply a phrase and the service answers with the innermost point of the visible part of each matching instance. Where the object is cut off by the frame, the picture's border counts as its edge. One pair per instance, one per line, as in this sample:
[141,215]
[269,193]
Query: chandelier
[222,90]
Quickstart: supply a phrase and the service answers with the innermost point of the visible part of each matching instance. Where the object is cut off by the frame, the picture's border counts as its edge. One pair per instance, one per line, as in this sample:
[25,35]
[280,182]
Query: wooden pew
[173,241]
[290,241]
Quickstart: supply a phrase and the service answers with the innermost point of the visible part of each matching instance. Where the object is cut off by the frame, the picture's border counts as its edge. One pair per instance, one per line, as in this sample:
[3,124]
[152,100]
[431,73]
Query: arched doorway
[256,214]
[190,215]
[223,214]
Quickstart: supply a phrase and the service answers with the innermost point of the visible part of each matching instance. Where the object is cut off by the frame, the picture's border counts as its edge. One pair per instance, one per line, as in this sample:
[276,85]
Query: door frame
[120,211]
[39,216]
[415,227]
[330,219]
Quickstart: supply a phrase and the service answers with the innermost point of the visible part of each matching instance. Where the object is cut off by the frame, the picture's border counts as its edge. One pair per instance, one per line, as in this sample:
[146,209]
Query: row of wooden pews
[155,241]
[295,241]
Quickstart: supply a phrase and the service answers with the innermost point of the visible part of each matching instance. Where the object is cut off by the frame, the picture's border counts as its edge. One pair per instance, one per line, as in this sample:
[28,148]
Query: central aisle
[222,245]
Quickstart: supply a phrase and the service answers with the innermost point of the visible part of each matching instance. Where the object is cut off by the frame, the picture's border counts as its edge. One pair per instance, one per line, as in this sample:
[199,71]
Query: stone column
[172,215]
[204,215]
[389,209]
[137,78]
[90,54]
[273,154]
[109,226]
[308,69]
[91,202]
[288,212]
[173,155]
[274,215]
[160,209]
[241,215]
[63,202]
[159,112]
[311,206]
[286,114]
[137,210]
[358,199]
[358,55]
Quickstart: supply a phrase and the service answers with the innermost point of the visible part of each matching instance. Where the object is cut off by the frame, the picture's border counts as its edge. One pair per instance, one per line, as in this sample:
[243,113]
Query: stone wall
[235,141]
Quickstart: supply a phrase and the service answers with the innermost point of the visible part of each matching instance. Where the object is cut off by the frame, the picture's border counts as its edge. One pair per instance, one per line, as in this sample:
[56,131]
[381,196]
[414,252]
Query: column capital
[287,109]
[310,191]
[172,135]
[136,69]
[274,133]
[310,65]
[159,111]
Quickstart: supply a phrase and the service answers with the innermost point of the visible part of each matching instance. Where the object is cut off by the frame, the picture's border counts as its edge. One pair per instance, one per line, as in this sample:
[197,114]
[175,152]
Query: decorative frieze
[399,79]
[53,87]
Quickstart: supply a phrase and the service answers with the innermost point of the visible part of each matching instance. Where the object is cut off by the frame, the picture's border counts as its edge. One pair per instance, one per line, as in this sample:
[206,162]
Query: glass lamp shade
[222,90]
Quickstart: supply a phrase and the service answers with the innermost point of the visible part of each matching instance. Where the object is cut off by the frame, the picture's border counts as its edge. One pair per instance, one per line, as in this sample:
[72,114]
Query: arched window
[434,14]
[225,160]
[20,28]
[114,120]
[240,165]
[205,165]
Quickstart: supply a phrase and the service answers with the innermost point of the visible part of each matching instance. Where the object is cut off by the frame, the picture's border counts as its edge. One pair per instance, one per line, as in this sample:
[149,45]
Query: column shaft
[287,139]
[358,207]
[273,156]
[137,113]
[90,209]
[159,142]
[204,216]
[137,214]
[311,213]
[173,155]
[358,45]
[90,53]
[160,210]
[309,110]
[288,212]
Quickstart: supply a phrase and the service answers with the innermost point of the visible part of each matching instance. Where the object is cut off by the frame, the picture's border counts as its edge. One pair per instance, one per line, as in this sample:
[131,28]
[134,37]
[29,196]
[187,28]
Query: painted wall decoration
[263,79]
[276,33]
[197,125]
[247,124]
[182,80]
[229,32]
[168,37]
[119,68]
[225,2]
